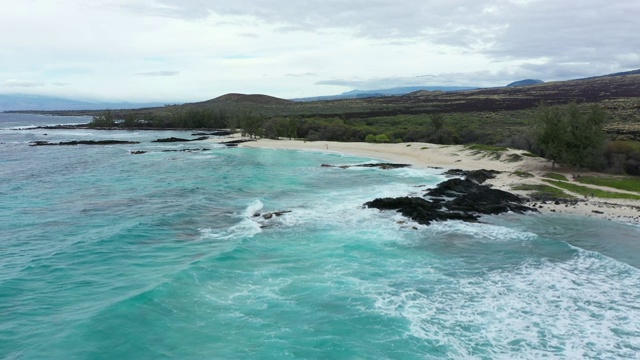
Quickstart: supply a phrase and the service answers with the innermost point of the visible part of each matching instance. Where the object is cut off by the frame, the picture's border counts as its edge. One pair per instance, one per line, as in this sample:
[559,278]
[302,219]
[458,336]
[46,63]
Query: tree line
[562,134]
[570,136]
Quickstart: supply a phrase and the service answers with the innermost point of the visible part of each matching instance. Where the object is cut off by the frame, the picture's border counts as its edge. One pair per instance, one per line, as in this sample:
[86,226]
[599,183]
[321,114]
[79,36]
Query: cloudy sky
[192,50]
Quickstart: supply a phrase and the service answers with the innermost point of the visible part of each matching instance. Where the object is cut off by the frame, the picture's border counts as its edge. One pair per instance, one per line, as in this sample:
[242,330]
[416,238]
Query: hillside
[525,82]
[251,99]
[361,94]
[501,112]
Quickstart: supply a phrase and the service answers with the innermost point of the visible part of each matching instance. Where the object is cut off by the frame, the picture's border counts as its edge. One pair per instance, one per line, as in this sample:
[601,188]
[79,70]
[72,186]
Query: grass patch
[514,158]
[424,148]
[408,145]
[627,183]
[543,192]
[523,174]
[494,152]
[583,190]
[556,176]
[482,147]
[528,154]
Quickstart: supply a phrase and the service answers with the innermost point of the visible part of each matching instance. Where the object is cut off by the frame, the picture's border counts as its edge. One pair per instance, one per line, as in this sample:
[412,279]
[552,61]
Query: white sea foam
[410,172]
[73,133]
[582,308]
[204,157]
[245,228]
[480,232]
[254,207]
[34,127]
[344,207]
[432,175]
[25,127]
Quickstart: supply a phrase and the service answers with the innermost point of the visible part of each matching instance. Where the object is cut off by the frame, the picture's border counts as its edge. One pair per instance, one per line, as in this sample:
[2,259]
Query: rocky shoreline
[464,199]
[123,142]
[437,156]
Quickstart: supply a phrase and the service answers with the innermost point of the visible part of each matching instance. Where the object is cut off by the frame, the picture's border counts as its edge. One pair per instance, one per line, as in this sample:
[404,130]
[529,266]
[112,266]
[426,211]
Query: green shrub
[104,120]
[514,158]
[382,138]
[482,147]
[623,157]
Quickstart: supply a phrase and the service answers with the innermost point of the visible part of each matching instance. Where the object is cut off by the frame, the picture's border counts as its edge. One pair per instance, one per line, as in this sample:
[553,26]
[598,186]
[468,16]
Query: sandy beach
[425,155]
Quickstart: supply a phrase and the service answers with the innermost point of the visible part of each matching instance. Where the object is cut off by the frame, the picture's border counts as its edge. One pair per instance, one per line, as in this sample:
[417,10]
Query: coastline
[426,155]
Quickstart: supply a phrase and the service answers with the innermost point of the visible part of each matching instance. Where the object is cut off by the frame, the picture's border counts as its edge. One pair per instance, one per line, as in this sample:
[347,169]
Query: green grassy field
[543,192]
[589,192]
[626,183]
[556,176]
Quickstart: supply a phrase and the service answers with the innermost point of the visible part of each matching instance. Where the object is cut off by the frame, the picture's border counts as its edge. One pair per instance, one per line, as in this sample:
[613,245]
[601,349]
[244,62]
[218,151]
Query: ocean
[109,255]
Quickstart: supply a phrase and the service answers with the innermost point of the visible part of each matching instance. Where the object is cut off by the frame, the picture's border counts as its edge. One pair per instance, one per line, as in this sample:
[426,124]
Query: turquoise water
[108,255]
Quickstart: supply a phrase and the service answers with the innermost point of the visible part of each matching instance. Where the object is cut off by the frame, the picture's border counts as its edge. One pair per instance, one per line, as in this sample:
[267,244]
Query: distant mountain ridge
[18,102]
[47,104]
[396,91]
[624,73]
[525,82]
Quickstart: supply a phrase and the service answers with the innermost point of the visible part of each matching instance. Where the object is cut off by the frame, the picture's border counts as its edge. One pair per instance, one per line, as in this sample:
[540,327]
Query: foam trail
[246,228]
[480,232]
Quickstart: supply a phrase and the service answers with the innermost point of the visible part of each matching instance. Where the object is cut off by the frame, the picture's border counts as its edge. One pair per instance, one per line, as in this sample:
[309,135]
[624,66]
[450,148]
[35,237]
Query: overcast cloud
[159,73]
[191,50]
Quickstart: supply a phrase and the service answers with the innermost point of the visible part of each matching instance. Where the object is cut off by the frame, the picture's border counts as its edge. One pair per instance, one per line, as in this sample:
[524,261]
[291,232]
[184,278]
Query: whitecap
[254,207]
[432,175]
[245,228]
[582,308]
[481,232]
[204,157]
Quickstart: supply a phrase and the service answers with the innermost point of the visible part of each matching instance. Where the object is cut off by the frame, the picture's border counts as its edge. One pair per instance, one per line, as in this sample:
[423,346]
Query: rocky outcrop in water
[214,133]
[455,199]
[83,142]
[187,150]
[270,215]
[383,166]
[267,220]
[234,143]
[62,127]
[175,139]
[419,210]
